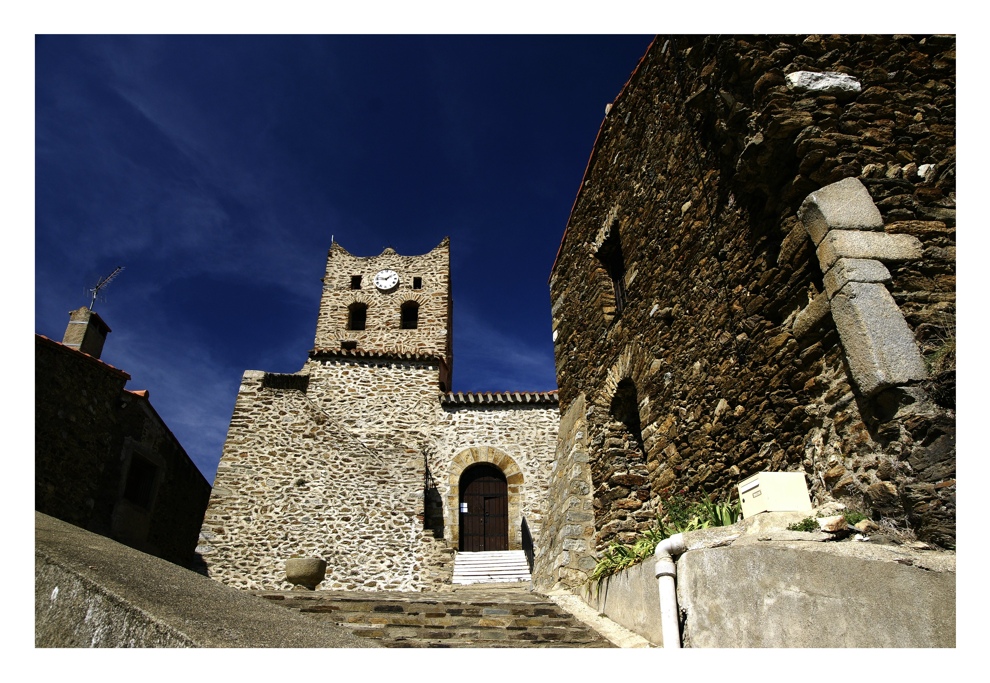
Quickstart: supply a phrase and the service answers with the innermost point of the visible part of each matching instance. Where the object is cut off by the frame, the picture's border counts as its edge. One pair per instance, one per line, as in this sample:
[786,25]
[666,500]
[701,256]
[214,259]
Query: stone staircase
[506,566]
[494,615]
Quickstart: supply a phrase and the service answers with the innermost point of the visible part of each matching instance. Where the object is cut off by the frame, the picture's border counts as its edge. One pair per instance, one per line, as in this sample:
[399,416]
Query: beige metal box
[774,492]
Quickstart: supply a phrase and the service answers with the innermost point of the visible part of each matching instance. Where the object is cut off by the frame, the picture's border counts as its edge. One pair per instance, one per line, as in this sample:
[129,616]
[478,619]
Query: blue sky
[215,169]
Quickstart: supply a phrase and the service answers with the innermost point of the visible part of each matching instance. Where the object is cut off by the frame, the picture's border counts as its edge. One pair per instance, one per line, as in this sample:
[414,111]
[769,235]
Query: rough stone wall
[331,463]
[700,168]
[383,331]
[298,480]
[567,549]
[181,492]
[507,435]
[87,428]
[75,422]
[377,396]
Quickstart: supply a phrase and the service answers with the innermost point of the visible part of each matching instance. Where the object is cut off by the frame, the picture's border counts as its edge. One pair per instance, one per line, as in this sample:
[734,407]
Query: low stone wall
[788,596]
[630,598]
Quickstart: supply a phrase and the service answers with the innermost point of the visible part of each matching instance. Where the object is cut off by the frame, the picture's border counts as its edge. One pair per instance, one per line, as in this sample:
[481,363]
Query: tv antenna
[101,283]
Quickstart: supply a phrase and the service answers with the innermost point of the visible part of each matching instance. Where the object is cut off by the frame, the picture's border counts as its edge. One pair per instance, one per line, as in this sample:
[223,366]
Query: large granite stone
[848,270]
[879,346]
[867,245]
[845,205]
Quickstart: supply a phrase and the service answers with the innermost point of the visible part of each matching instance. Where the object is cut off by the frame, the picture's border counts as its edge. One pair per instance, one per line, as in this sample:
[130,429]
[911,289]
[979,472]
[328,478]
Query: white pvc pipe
[666,572]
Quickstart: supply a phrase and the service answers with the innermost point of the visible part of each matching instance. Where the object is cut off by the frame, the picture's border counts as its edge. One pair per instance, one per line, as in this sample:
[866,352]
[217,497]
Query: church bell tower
[388,305]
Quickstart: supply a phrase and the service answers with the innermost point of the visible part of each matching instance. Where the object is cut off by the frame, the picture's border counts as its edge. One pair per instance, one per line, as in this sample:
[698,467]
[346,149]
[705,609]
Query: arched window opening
[610,256]
[624,501]
[357,316]
[410,315]
[625,409]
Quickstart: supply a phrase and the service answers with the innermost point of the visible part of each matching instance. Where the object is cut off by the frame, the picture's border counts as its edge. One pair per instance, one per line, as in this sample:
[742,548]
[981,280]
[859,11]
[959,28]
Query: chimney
[86,332]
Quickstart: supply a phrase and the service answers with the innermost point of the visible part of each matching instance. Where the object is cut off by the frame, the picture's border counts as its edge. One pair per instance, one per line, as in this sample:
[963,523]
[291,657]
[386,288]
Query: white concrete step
[491,567]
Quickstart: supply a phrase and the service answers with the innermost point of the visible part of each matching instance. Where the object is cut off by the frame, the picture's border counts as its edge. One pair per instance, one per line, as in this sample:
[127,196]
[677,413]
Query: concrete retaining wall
[796,594]
[93,592]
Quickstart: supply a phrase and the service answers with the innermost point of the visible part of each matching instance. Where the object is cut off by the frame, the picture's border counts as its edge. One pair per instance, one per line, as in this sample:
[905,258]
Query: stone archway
[514,481]
[625,502]
[484,513]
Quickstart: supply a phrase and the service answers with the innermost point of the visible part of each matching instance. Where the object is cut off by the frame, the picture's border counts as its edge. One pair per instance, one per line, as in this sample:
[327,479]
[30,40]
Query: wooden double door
[484,509]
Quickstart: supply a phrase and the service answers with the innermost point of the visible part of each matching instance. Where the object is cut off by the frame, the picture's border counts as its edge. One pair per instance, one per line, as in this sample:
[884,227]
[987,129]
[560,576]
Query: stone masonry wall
[331,463]
[518,438]
[378,397]
[567,548]
[383,332]
[735,364]
[293,482]
[75,411]
[181,494]
[87,430]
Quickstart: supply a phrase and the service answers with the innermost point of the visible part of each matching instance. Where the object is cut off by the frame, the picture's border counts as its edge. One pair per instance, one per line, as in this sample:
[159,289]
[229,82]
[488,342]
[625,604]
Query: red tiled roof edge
[594,152]
[60,345]
[496,398]
[144,394]
[359,353]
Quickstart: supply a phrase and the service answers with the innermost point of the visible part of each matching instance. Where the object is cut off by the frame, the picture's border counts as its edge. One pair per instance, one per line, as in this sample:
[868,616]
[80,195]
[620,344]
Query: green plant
[943,358]
[679,516]
[677,512]
[719,514]
[806,524]
[853,517]
[618,556]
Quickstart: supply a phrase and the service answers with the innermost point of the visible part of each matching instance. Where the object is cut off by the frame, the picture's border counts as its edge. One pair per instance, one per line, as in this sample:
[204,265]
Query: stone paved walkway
[480,615]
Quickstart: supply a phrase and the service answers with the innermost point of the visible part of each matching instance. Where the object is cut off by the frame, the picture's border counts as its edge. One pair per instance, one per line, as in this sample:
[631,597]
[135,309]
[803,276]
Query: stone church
[364,457]
[758,274]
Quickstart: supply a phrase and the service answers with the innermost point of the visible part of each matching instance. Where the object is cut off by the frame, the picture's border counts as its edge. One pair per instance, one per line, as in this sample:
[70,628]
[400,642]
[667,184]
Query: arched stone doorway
[484,509]
[513,491]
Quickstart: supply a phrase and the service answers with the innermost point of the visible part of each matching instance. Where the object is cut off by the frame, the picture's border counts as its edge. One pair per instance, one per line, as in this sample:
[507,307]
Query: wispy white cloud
[190,387]
[492,358]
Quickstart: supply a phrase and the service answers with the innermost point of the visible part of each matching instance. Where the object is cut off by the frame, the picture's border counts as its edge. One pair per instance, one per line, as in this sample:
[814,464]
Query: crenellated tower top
[387,305]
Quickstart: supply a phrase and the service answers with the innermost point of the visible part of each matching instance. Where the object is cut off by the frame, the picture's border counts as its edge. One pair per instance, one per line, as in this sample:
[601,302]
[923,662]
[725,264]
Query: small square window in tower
[610,256]
[355,282]
[357,316]
[409,315]
[417,283]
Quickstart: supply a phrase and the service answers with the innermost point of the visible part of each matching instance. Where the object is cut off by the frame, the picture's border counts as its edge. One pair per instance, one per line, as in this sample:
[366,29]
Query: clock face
[386,279]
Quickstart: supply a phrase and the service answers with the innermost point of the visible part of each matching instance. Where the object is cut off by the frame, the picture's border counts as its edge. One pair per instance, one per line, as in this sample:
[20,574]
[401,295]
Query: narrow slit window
[357,316]
[610,256]
[355,282]
[410,315]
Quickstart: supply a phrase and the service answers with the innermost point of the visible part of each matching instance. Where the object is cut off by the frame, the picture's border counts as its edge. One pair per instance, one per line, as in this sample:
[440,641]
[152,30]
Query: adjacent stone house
[364,457]
[759,274]
[104,459]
